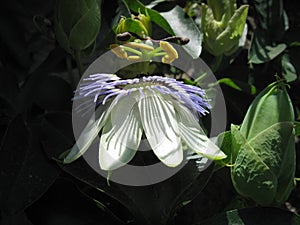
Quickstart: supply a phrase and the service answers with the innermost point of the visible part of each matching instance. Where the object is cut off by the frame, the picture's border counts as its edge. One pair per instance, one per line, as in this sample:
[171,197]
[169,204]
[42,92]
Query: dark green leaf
[57,133]
[64,204]
[19,219]
[153,204]
[260,52]
[272,24]
[28,93]
[85,31]
[295,44]
[9,88]
[254,216]
[53,93]
[68,13]
[25,171]
[159,202]
[13,41]
[185,27]
[122,10]
[271,19]
[155,16]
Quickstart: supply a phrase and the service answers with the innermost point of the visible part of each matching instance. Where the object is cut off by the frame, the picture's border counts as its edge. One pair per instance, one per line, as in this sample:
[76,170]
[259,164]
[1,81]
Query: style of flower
[166,110]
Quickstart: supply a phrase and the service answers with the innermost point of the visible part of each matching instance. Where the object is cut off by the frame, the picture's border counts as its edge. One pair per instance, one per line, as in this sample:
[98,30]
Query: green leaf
[155,16]
[271,144]
[225,144]
[237,141]
[257,216]
[260,52]
[84,33]
[265,166]
[61,36]
[68,12]
[252,178]
[287,172]
[271,19]
[272,24]
[159,202]
[184,26]
[288,69]
[26,172]
[152,204]
[238,85]
[266,110]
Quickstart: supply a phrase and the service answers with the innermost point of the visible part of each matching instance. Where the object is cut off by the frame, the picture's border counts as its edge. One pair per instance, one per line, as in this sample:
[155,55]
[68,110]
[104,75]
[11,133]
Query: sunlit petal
[121,135]
[87,136]
[194,136]
[161,129]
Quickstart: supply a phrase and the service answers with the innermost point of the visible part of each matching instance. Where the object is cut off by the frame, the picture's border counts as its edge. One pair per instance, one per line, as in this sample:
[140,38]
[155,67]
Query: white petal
[87,136]
[90,132]
[121,135]
[161,129]
[194,136]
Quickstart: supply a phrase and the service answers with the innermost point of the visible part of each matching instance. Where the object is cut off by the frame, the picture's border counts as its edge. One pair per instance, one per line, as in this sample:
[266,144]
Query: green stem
[156,50]
[132,50]
[70,70]
[78,62]
[201,77]
[217,63]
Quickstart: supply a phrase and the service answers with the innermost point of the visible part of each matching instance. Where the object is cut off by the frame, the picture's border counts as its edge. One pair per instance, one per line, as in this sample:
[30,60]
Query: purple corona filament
[111,86]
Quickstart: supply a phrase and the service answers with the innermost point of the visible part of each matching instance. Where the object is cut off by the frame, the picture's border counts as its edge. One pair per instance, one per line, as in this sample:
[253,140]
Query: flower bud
[222,25]
[264,148]
[140,25]
[76,23]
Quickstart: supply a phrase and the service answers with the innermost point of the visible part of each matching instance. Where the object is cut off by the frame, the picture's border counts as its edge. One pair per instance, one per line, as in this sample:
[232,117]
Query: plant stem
[132,50]
[217,63]
[78,62]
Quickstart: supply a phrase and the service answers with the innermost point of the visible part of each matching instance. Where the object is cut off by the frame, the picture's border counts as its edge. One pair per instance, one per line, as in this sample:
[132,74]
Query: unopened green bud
[222,25]
[264,148]
[76,23]
[145,20]
[271,106]
[140,25]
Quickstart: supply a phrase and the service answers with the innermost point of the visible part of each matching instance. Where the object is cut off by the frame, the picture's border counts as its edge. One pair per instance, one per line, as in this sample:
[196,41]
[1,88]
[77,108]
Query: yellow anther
[134,58]
[118,51]
[139,45]
[170,50]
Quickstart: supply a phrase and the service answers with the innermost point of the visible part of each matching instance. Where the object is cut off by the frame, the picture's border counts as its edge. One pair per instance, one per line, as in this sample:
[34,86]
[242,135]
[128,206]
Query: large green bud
[263,149]
[222,25]
[77,23]
[140,25]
